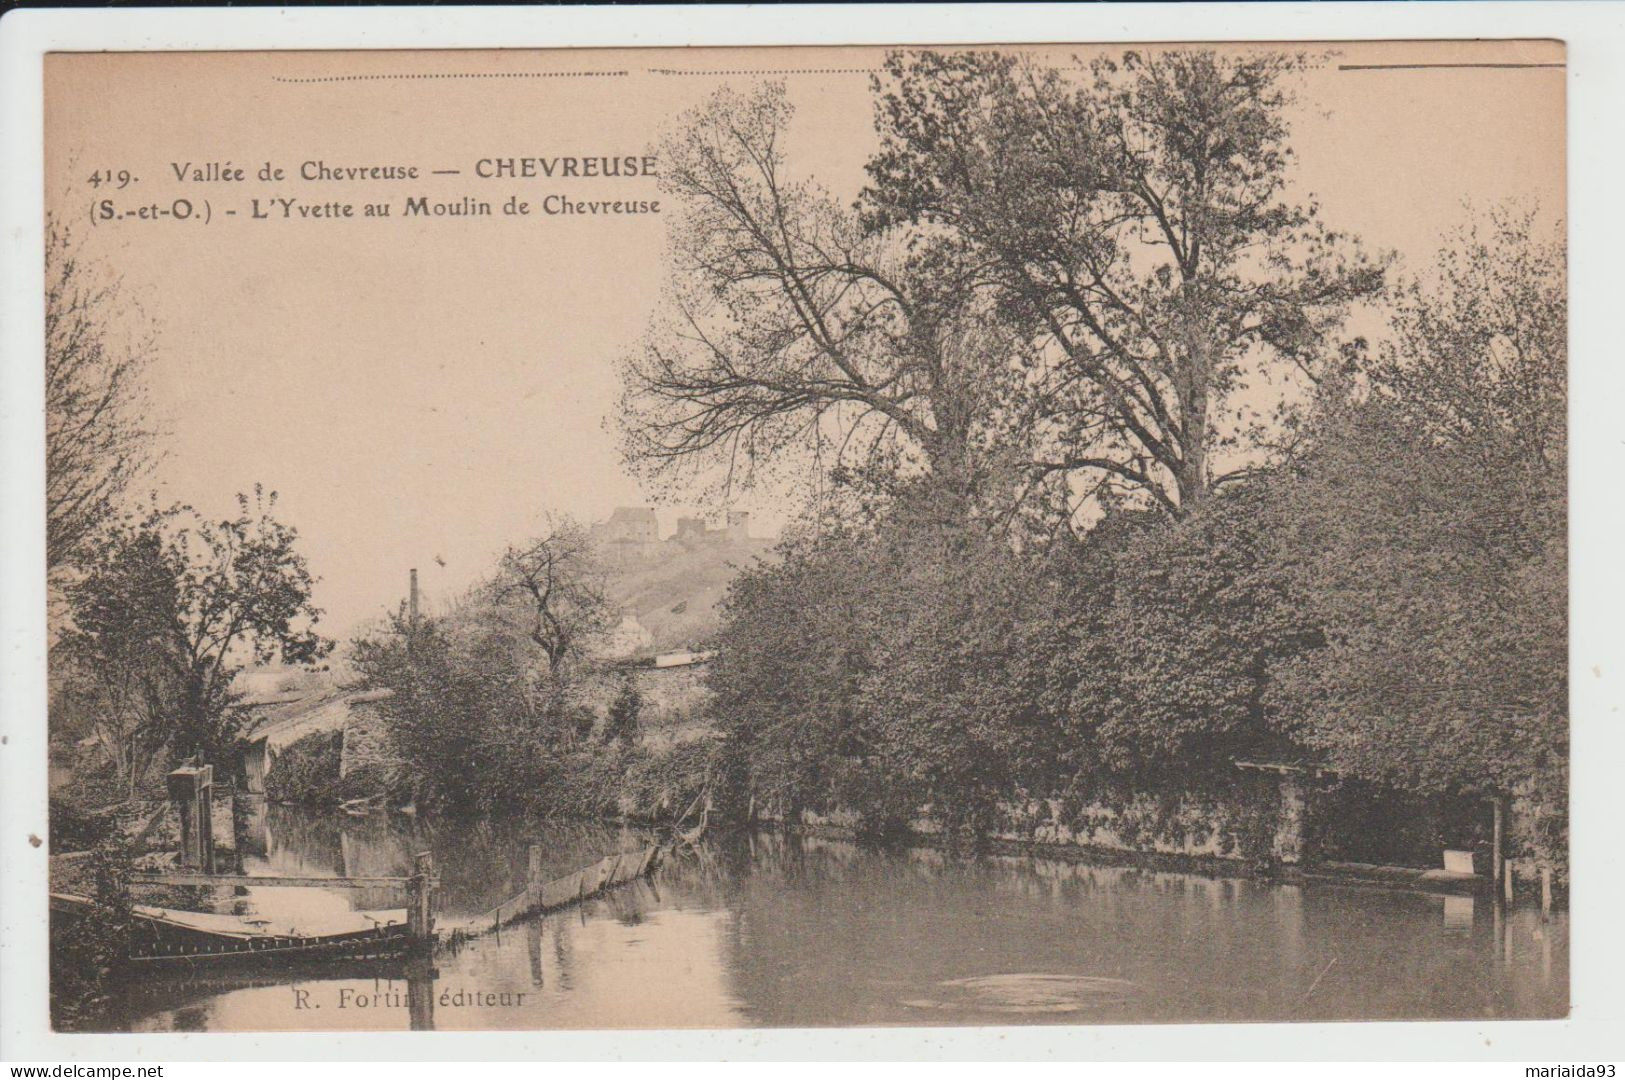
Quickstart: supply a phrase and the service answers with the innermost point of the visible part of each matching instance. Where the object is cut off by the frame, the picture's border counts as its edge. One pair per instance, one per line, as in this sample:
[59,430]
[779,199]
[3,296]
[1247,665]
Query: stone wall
[1264,821]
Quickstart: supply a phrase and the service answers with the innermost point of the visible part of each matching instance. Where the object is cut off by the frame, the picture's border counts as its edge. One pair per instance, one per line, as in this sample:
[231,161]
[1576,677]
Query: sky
[421,391]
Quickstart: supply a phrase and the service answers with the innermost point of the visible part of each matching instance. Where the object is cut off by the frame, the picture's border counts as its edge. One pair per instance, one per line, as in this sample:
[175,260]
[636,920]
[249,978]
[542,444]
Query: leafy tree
[98,433]
[885,667]
[1478,356]
[488,710]
[448,697]
[793,648]
[165,614]
[1136,223]
[1187,618]
[1427,536]
[114,668]
[956,695]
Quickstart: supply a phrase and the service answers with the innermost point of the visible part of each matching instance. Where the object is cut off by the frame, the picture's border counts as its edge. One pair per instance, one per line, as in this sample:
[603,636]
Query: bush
[665,783]
[90,948]
[74,829]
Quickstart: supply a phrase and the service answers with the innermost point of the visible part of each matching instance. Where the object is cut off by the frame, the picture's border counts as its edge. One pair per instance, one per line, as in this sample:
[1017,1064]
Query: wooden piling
[420,899]
[533,943]
[236,832]
[1498,843]
[414,908]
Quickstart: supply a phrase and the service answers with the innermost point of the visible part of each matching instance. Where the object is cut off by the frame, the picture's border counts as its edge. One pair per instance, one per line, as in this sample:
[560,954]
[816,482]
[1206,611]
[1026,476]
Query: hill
[675,593]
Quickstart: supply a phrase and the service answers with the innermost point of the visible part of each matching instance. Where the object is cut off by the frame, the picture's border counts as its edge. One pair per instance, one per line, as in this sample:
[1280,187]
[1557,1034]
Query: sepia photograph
[807,537]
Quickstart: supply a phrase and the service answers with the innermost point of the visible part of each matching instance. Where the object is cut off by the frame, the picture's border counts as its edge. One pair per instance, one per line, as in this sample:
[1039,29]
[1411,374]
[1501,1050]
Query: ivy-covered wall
[1258,820]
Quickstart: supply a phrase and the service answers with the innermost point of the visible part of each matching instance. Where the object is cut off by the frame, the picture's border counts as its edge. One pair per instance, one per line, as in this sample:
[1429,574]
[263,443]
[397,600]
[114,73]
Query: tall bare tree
[556,581]
[98,429]
[790,330]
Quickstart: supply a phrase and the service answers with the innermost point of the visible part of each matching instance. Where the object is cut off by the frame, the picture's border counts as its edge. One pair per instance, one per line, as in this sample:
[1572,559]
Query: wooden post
[191,790]
[236,833]
[205,819]
[1545,892]
[420,899]
[1498,846]
[1509,881]
[414,907]
[533,878]
[188,822]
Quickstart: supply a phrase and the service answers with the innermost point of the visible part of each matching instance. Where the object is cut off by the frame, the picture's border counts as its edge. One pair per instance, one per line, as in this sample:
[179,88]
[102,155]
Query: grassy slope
[693,580]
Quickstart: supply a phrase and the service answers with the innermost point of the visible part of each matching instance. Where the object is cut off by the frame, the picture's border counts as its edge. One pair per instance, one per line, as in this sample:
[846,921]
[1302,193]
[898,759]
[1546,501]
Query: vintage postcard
[1023,534]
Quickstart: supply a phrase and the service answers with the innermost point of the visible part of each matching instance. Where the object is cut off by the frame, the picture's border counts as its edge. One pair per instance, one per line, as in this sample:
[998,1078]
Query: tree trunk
[1192,474]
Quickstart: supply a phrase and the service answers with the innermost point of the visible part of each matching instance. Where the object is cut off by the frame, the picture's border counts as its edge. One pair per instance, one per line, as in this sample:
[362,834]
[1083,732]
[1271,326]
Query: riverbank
[766,927]
[659,794]
[1398,878]
[1275,822]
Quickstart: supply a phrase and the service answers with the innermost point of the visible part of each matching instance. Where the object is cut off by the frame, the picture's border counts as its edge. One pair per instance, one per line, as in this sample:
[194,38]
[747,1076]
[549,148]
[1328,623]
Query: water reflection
[763,929]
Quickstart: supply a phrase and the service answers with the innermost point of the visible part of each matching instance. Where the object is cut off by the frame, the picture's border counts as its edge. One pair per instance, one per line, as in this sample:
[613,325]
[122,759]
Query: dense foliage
[917,662]
[469,725]
[1388,603]
[90,947]
[1427,538]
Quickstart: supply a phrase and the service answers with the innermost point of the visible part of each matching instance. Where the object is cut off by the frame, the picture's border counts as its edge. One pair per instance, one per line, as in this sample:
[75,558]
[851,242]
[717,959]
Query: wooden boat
[383,941]
[166,936]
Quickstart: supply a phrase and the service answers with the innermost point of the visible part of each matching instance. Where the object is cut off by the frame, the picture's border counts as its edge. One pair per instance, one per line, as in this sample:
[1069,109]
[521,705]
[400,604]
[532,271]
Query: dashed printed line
[451,75]
[1425,67]
[769,71]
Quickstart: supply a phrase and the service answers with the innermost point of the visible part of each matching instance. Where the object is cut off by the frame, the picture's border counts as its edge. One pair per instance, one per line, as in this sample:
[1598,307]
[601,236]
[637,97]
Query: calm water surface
[765,930]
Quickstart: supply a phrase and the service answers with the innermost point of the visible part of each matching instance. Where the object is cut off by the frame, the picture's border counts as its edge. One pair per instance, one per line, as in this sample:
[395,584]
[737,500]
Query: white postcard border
[1595,34]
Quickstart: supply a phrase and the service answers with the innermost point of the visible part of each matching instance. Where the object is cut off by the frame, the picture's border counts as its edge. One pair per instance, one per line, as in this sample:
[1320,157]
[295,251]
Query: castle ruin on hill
[632,534]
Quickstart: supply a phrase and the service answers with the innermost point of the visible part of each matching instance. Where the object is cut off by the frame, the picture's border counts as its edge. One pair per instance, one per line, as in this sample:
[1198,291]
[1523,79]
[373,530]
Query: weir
[542,897]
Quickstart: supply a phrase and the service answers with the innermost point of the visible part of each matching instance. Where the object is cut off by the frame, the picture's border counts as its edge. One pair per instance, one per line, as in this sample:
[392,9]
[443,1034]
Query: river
[766,930]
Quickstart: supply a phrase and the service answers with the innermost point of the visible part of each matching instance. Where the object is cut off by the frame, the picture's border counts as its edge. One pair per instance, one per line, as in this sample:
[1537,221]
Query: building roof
[685,658]
[1308,768]
[281,723]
